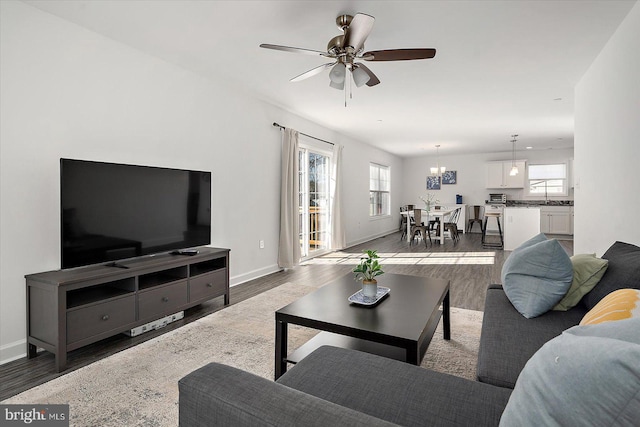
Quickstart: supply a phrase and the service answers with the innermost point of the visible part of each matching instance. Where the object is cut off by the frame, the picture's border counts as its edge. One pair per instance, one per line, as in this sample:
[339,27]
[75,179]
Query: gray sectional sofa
[334,386]
[509,340]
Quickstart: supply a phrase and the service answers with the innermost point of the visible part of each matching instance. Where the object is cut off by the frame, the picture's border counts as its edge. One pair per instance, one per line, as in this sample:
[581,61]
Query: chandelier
[438,170]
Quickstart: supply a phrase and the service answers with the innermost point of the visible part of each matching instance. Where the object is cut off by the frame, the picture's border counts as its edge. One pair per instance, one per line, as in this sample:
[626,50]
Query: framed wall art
[433,183]
[450,177]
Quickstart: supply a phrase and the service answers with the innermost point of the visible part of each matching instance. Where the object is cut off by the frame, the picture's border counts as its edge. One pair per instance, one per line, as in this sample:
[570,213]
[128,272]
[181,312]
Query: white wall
[68,92]
[607,143]
[471,181]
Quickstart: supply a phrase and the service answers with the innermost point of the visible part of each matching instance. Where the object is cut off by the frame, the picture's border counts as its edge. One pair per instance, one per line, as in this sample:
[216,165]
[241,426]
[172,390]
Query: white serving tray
[360,299]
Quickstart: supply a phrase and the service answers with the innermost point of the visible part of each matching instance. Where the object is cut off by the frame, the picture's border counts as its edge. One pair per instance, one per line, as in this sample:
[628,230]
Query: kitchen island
[520,224]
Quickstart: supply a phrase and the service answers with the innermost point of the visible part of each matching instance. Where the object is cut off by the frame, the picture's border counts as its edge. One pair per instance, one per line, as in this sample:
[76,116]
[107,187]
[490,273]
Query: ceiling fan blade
[399,54]
[312,72]
[373,78]
[358,31]
[296,50]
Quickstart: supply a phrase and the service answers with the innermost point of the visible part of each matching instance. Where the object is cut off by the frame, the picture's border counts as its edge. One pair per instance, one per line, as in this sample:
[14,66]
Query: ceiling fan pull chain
[345,94]
[351,85]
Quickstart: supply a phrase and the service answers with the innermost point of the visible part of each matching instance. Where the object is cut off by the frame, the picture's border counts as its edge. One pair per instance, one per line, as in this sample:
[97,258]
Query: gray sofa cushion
[509,340]
[395,391]
[219,395]
[623,272]
[594,371]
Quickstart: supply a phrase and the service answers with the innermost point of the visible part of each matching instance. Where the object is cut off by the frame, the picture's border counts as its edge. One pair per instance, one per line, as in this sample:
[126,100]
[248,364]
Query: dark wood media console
[68,309]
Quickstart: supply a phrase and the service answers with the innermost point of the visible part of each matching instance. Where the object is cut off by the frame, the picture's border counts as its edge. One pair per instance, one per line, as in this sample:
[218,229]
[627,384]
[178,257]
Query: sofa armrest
[221,395]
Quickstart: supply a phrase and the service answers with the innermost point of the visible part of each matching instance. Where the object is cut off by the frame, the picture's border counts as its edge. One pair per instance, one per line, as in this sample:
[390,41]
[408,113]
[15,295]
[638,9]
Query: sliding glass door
[314,201]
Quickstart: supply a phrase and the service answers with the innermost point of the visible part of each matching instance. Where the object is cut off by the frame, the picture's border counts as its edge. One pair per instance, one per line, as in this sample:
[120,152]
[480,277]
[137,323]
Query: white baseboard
[369,238]
[13,351]
[254,274]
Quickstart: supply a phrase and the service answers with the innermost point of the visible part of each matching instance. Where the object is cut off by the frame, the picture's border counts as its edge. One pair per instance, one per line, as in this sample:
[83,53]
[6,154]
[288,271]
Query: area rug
[139,386]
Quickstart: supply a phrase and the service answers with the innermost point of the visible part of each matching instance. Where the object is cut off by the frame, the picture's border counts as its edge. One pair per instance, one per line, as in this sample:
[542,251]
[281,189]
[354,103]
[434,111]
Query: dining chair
[418,227]
[452,225]
[434,224]
[478,215]
[403,221]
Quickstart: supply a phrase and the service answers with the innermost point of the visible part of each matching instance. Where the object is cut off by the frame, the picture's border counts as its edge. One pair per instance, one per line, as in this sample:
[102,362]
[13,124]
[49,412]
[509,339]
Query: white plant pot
[370,289]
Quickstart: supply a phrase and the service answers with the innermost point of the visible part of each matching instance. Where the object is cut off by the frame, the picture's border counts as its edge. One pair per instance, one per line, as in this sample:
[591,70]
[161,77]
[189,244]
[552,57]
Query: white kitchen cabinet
[495,176]
[555,220]
[498,174]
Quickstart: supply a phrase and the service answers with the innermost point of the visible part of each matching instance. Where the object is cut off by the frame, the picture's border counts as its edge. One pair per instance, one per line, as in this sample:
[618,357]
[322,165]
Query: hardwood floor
[469,268]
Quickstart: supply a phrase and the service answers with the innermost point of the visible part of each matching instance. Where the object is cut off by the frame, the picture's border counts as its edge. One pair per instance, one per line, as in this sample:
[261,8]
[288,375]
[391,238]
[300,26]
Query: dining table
[431,214]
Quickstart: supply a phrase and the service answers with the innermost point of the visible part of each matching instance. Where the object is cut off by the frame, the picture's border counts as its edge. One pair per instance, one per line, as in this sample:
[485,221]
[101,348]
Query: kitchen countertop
[525,203]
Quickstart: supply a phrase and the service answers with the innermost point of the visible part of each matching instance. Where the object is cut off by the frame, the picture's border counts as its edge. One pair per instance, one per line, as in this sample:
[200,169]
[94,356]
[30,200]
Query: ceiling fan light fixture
[347,47]
[360,77]
[338,73]
[339,86]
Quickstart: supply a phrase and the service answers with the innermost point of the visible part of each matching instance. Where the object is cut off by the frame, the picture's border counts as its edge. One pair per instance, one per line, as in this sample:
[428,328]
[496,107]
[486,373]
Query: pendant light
[438,170]
[514,168]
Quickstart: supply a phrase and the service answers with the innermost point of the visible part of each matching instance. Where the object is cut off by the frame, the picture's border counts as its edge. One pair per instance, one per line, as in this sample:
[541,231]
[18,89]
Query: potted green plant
[368,269]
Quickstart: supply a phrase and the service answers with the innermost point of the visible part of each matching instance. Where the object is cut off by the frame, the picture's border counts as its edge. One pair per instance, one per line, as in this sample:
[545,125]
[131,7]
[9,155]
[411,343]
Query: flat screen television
[113,211]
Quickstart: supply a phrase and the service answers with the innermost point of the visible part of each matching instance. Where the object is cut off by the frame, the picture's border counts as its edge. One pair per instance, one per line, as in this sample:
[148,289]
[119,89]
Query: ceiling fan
[347,48]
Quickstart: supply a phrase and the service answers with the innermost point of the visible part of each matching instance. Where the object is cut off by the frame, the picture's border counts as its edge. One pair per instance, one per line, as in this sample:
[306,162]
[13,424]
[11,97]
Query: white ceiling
[501,67]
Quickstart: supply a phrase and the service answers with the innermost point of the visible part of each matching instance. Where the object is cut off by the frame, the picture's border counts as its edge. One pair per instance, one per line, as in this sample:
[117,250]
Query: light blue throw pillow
[537,275]
[588,376]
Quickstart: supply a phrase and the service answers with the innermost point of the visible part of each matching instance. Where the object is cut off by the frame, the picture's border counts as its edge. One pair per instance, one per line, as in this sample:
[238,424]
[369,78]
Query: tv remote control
[189,252]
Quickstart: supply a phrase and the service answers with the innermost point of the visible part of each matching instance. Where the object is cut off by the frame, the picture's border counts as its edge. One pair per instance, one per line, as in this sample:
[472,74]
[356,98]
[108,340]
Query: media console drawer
[95,319]
[154,303]
[208,285]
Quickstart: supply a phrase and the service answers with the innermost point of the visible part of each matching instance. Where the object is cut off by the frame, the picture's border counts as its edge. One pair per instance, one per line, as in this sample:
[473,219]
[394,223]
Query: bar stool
[485,244]
[478,214]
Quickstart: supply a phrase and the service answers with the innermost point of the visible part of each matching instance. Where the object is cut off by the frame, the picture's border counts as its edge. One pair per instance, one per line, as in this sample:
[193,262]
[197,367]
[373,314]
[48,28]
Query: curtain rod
[308,136]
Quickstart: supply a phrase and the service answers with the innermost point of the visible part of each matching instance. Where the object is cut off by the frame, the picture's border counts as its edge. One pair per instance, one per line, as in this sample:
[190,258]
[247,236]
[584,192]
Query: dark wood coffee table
[400,326]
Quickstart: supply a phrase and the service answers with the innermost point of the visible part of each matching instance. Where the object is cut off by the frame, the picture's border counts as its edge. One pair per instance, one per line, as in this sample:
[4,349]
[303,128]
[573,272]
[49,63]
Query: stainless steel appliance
[500,198]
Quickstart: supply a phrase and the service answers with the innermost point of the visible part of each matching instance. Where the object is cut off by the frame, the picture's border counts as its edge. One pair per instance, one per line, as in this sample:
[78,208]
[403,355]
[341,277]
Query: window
[379,190]
[548,180]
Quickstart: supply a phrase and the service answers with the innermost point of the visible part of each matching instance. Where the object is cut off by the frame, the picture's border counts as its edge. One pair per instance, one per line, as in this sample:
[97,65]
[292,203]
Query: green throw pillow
[587,272]
[588,376]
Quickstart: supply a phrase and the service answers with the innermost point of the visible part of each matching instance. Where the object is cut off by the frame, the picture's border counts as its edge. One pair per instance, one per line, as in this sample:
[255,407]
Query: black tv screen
[115,211]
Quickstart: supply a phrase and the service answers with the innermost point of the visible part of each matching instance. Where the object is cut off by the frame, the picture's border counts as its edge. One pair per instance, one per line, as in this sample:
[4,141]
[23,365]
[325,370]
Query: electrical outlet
[261,243]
